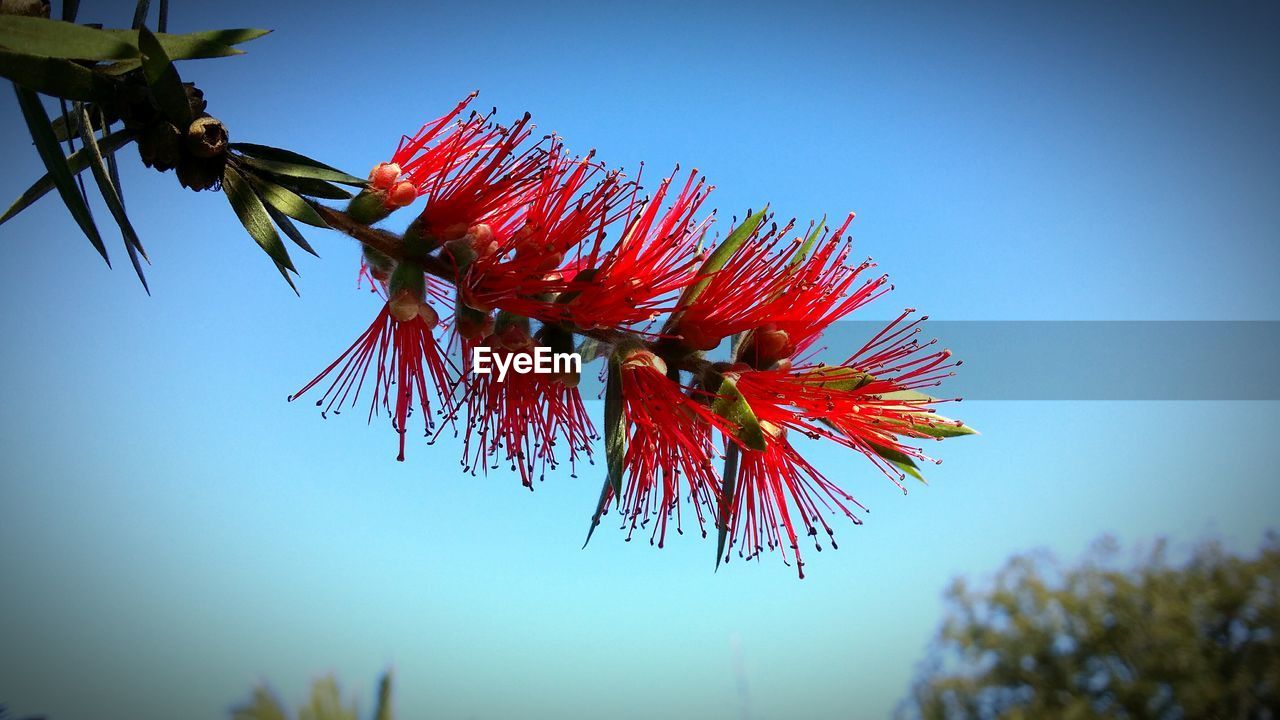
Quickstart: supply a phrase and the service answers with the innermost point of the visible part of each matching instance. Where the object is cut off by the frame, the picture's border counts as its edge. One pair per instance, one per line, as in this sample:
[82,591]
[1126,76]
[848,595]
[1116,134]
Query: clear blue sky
[171,530]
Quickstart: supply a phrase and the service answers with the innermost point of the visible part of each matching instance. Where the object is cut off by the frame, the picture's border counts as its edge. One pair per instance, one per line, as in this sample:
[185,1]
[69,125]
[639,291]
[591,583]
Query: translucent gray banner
[1083,360]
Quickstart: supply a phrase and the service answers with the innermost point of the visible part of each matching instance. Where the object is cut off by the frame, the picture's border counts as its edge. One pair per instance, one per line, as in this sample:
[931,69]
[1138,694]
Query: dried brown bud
[29,8]
[200,173]
[160,146]
[206,137]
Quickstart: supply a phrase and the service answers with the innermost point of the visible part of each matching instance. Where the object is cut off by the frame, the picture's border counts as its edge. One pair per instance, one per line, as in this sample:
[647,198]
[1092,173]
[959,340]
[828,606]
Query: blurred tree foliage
[1200,639]
[325,703]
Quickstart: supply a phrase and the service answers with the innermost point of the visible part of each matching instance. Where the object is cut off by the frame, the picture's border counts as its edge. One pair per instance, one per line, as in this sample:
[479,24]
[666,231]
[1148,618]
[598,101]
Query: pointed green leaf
[718,257]
[43,37]
[728,486]
[140,13]
[615,426]
[287,202]
[56,77]
[287,162]
[907,397]
[196,45]
[602,504]
[113,169]
[899,459]
[47,146]
[732,406]
[110,196]
[805,247]
[836,377]
[307,186]
[76,163]
[254,217]
[162,77]
[288,228]
[938,426]
[67,126]
[162,22]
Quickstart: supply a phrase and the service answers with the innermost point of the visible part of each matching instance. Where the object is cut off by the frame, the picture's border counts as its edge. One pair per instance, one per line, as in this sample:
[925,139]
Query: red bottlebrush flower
[523,417]
[400,343]
[866,403]
[669,450]
[641,275]
[765,285]
[472,175]
[527,267]
[772,485]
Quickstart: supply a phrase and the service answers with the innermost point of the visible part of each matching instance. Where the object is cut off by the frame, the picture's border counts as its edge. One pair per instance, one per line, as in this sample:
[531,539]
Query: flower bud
[697,339]
[384,175]
[404,306]
[765,346]
[404,193]
[428,315]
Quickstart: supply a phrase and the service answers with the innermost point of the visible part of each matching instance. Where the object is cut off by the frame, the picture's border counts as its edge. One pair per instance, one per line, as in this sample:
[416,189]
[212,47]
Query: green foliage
[129,75]
[1156,640]
[324,703]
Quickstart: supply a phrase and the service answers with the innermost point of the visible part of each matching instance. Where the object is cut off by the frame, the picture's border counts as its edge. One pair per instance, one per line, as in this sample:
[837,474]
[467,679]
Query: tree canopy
[1154,639]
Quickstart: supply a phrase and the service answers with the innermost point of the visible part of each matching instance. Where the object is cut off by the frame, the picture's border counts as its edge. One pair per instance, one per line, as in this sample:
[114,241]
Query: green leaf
[907,397]
[140,13]
[718,257]
[802,252]
[287,162]
[113,169]
[254,217]
[615,426]
[935,425]
[732,406]
[196,45]
[837,377]
[728,486]
[287,202]
[110,195]
[67,126]
[47,146]
[162,77]
[76,163]
[307,186]
[288,228]
[43,37]
[899,459]
[52,76]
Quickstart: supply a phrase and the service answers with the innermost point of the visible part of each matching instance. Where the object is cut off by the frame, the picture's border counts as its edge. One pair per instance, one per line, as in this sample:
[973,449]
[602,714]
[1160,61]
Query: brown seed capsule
[200,173]
[206,137]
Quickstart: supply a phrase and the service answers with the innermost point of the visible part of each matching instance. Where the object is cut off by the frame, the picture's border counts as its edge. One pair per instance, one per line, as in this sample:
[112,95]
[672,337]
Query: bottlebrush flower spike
[656,257]
[867,403]
[523,417]
[401,344]
[575,199]
[669,450]
[766,284]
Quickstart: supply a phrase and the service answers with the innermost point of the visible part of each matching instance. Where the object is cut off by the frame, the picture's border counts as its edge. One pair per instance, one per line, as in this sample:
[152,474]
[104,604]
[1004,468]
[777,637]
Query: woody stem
[389,244]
